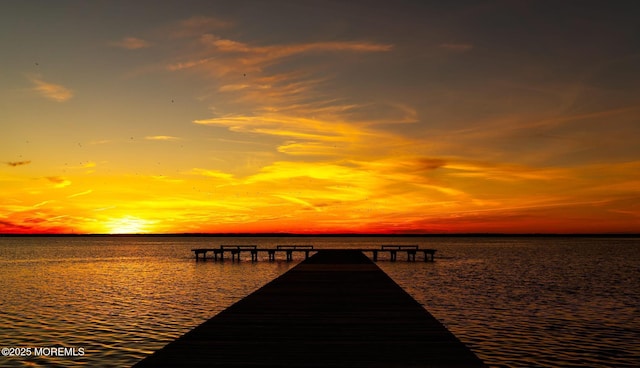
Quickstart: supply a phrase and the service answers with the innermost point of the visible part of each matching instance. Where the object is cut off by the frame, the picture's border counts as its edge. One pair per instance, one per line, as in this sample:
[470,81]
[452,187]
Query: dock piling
[289,250]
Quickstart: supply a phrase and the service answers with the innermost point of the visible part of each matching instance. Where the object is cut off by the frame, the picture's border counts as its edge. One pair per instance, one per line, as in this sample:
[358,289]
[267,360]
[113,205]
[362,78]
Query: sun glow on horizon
[128,225]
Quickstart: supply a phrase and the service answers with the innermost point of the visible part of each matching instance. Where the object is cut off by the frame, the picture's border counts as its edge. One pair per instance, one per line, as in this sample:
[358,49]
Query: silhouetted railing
[288,250]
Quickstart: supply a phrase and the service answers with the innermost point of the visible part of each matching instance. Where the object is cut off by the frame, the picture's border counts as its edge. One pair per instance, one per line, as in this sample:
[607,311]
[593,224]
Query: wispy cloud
[161,138]
[212,173]
[309,149]
[272,52]
[298,201]
[286,104]
[543,137]
[196,26]
[504,172]
[220,56]
[166,179]
[51,91]
[286,126]
[59,181]
[312,133]
[88,166]
[101,141]
[80,194]
[18,163]
[10,227]
[338,152]
[40,204]
[131,43]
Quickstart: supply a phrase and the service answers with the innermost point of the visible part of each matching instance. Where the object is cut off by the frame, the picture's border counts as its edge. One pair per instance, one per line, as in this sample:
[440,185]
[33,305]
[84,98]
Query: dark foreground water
[517,302]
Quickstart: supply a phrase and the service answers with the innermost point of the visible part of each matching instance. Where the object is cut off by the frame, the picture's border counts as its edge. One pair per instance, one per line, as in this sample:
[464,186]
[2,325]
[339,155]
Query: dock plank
[335,309]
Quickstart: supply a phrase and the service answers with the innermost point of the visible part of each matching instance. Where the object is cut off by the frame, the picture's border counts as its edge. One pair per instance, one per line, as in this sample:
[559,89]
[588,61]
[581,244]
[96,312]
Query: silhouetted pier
[335,309]
[236,250]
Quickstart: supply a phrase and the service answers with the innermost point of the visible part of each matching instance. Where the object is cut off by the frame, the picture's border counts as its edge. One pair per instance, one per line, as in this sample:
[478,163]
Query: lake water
[516,302]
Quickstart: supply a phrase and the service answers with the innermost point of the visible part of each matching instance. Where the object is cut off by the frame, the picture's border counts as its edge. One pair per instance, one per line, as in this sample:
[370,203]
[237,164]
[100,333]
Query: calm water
[517,302]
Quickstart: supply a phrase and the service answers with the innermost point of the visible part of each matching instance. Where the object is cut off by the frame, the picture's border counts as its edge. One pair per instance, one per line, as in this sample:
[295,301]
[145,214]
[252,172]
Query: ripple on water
[516,303]
[517,308]
[119,309]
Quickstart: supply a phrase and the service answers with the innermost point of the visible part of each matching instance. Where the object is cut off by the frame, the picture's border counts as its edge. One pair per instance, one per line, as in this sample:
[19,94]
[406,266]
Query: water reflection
[122,304]
[534,303]
[516,302]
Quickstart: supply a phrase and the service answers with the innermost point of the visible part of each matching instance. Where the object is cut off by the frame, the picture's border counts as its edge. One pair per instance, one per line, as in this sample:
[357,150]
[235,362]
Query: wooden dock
[335,309]
[236,250]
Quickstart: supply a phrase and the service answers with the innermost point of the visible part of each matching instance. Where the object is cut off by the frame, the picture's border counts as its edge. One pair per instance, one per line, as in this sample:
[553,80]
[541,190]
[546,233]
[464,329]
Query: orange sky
[330,117]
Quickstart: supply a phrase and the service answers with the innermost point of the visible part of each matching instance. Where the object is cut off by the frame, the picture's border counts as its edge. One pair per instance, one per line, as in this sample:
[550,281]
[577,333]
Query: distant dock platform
[335,309]
[236,250]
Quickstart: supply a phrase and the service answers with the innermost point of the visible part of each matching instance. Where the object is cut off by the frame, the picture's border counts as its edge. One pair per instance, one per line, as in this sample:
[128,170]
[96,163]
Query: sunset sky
[319,116]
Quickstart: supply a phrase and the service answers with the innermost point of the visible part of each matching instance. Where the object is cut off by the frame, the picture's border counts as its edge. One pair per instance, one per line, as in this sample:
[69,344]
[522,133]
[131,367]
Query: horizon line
[288,234]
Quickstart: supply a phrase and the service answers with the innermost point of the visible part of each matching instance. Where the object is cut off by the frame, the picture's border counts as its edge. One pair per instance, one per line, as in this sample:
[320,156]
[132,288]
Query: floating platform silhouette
[253,250]
[335,309]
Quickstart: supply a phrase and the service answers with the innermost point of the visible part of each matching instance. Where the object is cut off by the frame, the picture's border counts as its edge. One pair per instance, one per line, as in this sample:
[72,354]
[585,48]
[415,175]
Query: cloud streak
[58,181]
[51,91]
[131,43]
[219,56]
[197,26]
[280,99]
[212,174]
[80,194]
[18,163]
[161,138]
